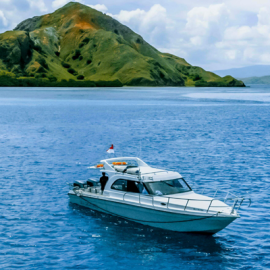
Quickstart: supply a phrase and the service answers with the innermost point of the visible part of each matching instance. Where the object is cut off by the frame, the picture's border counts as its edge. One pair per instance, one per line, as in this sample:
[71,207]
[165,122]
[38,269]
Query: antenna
[140,149]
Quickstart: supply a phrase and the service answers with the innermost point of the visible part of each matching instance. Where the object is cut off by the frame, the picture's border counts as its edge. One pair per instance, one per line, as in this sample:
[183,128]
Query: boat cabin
[135,176]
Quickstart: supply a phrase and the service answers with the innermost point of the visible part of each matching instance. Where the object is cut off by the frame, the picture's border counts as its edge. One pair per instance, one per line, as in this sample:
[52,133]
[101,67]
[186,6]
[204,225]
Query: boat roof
[127,159]
[145,172]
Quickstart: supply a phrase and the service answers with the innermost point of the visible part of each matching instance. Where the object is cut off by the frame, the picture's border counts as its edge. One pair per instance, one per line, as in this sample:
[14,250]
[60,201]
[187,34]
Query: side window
[132,187]
[120,185]
[126,185]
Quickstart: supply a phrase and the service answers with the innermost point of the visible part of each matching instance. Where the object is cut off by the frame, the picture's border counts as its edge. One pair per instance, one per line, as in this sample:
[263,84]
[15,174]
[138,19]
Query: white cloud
[207,23]
[224,44]
[252,42]
[99,7]
[59,3]
[263,16]
[134,16]
[39,4]
[256,34]
[247,5]
[155,16]
[231,54]
[3,18]
[208,35]
[153,25]
[197,40]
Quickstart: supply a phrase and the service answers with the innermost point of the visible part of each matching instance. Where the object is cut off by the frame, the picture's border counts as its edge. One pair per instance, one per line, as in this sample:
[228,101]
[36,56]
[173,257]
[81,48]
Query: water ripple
[49,138]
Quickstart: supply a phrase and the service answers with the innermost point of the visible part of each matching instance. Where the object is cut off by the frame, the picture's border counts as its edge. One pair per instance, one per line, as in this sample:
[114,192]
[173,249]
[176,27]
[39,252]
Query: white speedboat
[154,197]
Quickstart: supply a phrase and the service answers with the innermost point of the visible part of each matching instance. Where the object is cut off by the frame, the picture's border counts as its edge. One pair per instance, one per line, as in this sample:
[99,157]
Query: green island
[257,80]
[77,46]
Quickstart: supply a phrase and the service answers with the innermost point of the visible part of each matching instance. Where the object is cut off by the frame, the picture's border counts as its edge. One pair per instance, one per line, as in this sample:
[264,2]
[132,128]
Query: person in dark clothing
[103,181]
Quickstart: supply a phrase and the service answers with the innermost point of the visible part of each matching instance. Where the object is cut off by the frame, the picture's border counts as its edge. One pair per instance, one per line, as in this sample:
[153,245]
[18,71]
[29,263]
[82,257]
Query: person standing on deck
[103,181]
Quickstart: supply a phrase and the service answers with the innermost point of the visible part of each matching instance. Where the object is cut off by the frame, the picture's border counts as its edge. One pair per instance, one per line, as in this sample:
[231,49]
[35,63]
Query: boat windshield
[168,187]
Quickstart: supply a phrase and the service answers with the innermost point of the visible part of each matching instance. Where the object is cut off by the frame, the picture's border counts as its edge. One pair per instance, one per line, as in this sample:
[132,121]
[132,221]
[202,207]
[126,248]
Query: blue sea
[215,137]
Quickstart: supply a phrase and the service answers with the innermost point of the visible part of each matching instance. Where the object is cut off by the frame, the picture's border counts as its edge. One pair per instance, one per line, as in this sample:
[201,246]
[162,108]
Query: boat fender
[119,163]
[120,168]
[100,166]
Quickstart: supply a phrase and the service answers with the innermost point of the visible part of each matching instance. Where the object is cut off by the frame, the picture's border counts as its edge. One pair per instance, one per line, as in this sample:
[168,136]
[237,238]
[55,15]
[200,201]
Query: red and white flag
[110,150]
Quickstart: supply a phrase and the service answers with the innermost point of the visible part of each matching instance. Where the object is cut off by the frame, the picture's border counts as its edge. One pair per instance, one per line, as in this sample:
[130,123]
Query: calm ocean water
[216,138]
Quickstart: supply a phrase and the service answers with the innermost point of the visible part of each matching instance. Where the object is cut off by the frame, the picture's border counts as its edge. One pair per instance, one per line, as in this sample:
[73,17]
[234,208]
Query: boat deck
[207,205]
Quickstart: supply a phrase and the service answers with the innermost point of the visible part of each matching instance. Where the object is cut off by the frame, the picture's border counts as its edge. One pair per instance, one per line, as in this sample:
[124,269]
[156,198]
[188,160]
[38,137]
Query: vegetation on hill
[13,81]
[78,43]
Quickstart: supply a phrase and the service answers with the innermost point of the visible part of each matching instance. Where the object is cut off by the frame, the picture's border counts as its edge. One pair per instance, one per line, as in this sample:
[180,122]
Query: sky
[212,34]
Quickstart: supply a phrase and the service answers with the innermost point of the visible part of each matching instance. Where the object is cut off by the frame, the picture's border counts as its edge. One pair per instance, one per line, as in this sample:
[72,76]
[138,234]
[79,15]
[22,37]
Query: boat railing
[172,203]
[182,204]
[218,190]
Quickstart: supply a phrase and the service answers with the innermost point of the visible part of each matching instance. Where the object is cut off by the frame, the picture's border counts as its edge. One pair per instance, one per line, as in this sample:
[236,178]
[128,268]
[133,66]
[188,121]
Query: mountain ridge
[78,43]
[257,80]
[246,72]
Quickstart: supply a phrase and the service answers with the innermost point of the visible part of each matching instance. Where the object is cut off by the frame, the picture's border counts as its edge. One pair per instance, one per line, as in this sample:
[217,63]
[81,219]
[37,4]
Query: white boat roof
[146,173]
[120,159]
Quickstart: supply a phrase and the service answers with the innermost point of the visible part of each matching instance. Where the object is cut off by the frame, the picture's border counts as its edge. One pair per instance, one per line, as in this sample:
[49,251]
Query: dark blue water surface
[216,138]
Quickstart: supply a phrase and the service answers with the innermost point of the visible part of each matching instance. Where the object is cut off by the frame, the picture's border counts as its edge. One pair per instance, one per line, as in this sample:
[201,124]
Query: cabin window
[129,186]
[120,185]
[168,187]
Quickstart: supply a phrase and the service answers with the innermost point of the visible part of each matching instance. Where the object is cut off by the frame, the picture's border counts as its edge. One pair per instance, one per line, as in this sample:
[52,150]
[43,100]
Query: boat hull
[179,222]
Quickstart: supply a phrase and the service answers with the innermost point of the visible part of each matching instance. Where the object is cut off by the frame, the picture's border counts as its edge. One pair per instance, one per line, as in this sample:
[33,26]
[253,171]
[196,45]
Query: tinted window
[129,186]
[168,187]
[120,185]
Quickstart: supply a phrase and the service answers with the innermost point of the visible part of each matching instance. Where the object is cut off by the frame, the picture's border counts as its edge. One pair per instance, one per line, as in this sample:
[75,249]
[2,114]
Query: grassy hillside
[79,43]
